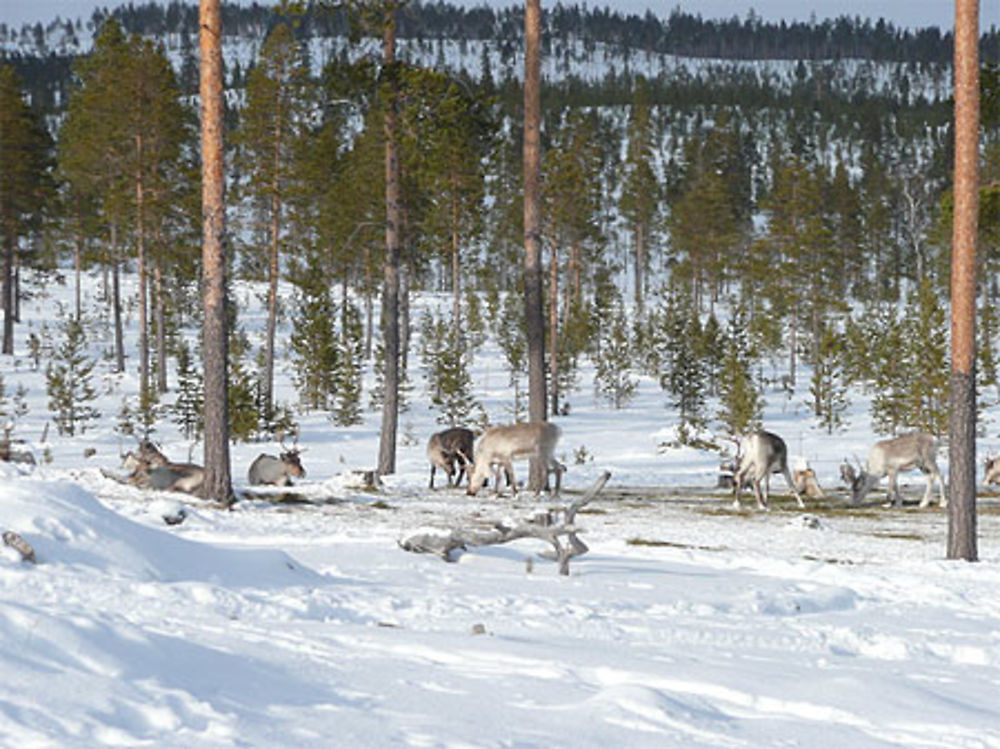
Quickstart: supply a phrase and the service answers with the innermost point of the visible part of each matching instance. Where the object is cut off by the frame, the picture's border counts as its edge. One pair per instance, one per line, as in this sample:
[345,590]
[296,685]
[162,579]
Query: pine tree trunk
[8,292]
[962,543]
[554,328]
[640,264]
[390,293]
[273,268]
[217,483]
[369,306]
[140,247]
[455,272]
[161,330]
[116,294]
[77,274]
[534,314]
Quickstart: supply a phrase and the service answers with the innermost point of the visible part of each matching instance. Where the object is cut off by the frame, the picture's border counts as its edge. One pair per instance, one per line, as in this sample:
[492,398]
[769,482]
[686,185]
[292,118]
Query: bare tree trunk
[161,329]
[140,248]
[640,264]
[554,327]
[8,292]
[116,294]
[369,306]
[534,314]
[273,268]
[962,427]
[390,293]
[78,272]
[217,483]
[456,286]
[404,317]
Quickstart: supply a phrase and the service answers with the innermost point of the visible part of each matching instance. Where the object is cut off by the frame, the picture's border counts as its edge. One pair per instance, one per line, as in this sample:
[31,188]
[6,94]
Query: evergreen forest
[731,207]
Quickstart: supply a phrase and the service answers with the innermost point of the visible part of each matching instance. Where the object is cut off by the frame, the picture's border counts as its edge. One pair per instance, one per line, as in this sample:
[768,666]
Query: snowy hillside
[290,624]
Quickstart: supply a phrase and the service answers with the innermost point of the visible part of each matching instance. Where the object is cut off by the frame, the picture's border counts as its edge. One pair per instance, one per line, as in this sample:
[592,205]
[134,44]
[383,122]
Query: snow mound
[66,524]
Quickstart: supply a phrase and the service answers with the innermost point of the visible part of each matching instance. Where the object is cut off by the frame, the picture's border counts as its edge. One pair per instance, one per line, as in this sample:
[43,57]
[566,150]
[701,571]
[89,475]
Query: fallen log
[548,526]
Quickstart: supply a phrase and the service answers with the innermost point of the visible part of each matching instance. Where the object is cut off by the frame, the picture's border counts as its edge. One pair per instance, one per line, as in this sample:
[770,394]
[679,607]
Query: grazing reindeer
[267,469]
[499,446]
[806,483]
[992,474]
[764,453]
[888,458]
[445,449]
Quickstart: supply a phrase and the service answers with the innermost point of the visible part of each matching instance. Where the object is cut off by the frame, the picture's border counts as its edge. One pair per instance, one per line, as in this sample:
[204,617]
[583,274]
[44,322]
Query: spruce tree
[347,371]
[446,369]
[69,381]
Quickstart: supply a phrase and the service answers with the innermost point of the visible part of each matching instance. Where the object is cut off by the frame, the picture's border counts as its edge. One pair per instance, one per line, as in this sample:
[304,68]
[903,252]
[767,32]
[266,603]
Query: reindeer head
[293,464]
[992,470]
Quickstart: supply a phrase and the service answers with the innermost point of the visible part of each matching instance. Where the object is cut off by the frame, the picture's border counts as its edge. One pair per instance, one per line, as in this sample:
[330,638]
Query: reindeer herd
[759,455]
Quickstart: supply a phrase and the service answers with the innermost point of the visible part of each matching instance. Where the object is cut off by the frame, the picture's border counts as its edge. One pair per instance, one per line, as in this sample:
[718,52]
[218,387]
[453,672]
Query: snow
[303,624]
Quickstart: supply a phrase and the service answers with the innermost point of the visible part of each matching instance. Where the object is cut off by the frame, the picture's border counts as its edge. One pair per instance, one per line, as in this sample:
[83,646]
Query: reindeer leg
[431,484]
[795,490]
[894,496]
[737,483]
[944,500]
[508,466]
[761,504]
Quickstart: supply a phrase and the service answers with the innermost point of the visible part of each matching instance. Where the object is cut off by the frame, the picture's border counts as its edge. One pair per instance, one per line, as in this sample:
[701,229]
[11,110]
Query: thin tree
[218,483]
[390,287]
[533,312]
[962,427]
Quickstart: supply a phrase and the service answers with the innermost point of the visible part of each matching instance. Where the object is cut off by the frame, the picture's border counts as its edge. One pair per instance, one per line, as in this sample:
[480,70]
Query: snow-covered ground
[305,625]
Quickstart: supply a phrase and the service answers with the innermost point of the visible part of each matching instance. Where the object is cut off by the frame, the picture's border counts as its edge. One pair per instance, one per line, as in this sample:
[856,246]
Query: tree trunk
[369,306]
[962,427]
[217,483]
[8,292]
[456,317]
[390,293]
[161,330]
[534,314]
[640,264]
[273,268]
[140,248]
[78,273]
[554,328]
[116,294]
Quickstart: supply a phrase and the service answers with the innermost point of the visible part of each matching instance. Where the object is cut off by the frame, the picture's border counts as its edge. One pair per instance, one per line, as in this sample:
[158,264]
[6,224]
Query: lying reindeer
[448,448]
[499,446]
[151,469]
[889,457]
[763,453]
[269,470]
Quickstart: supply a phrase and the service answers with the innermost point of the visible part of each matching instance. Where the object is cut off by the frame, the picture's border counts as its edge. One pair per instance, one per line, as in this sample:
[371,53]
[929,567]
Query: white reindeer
[992,471]
[762,453]
[499,446]
[916,450]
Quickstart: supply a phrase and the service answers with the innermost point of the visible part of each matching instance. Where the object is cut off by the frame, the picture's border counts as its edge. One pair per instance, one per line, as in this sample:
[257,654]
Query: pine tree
[25,184]
[926,337]
[446,370]
[347,369]
[828,386]
[891,374]
[69,381]
[613,376]
[508,329]
[741,405]
[188,405]
[244,389]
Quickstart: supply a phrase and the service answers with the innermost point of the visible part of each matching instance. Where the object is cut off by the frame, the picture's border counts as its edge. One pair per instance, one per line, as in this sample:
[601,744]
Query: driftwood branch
[548,526]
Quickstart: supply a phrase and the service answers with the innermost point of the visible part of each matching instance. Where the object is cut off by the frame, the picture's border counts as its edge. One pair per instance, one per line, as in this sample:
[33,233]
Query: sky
[902,13]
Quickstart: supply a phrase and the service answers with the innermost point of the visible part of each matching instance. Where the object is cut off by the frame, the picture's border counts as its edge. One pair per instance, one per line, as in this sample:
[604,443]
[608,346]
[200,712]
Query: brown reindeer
[449,448]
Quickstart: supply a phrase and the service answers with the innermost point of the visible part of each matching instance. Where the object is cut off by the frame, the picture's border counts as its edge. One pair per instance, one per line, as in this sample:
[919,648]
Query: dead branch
[548,526]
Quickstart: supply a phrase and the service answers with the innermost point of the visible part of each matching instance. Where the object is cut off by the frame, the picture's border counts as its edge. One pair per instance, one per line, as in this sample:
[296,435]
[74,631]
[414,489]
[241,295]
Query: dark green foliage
[445,362]
[69,381]
[613,377]
[349,342]
[244,401]
[828,384]
[740,402]
[188,408]
[508,330]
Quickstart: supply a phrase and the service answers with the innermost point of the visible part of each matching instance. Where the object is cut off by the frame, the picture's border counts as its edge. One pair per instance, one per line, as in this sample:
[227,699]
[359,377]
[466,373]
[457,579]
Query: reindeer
[151,469]
[992,470]
[764,453]
[445,449]
[888,458]
[499,446]
[267,469]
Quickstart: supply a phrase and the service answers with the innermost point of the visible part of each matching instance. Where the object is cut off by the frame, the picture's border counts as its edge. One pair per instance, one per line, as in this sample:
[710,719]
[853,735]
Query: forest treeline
[713,231]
